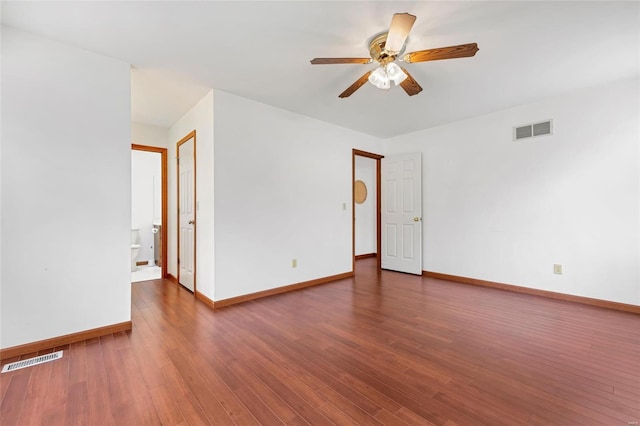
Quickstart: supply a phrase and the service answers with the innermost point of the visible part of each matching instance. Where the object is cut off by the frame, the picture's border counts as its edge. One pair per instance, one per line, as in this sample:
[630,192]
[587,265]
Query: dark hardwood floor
[381,348]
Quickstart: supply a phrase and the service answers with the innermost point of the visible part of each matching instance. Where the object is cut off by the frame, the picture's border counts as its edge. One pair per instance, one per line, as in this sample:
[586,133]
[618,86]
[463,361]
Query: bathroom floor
[144,273]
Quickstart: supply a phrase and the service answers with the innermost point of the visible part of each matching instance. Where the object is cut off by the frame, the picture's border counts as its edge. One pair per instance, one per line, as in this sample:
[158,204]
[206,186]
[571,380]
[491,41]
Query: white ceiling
[261,50]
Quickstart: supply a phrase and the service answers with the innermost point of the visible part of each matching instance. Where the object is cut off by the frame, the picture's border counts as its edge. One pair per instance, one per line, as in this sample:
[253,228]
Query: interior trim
[67,339]
[172,278]
[252,296]
[364,256]
[204,299]
[165,200]
[536,292]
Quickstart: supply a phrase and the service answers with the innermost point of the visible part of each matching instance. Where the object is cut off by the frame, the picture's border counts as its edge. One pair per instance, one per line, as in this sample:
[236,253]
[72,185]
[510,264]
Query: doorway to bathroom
[148,213]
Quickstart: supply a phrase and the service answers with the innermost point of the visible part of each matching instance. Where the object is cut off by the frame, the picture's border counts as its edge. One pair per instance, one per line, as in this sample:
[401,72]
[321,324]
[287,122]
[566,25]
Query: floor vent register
[31,361]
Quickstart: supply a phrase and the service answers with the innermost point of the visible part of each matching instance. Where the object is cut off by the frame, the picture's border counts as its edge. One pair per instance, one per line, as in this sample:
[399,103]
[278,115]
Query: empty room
[320,212]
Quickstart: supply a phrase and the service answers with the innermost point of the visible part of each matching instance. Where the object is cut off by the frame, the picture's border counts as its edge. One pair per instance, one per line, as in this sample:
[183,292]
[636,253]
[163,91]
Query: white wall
[281,181]
[146,198]
[65,176]
[506,211]
[200,119]
[366,212]
[149,135]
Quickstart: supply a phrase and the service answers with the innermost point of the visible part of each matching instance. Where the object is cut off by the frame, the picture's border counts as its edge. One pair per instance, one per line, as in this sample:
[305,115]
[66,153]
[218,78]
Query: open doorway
[148,212]
[366,205]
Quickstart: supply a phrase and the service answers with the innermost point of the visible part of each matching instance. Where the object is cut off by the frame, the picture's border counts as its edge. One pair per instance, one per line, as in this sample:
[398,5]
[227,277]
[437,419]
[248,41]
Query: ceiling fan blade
[410,85]
[325,61]
[355,86]
[451,52]
[401,24]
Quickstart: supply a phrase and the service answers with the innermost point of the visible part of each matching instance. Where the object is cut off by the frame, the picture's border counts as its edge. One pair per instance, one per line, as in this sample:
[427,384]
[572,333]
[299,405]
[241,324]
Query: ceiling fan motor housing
[378,51]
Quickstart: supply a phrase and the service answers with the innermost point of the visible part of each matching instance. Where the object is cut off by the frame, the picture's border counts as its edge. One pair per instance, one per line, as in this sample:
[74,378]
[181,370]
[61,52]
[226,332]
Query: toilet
[135,247]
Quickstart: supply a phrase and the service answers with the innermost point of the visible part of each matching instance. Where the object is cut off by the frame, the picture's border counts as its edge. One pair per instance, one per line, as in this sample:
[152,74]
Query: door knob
[192,222]
[416,219]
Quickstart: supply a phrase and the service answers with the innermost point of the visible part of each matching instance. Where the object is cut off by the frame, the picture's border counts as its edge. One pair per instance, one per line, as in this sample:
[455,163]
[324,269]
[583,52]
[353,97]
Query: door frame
[377,158]
[165,202]
[188,137]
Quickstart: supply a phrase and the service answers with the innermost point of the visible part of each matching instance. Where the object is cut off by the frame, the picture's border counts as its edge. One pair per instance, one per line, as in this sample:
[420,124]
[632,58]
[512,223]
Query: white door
[402,213]
[187,213]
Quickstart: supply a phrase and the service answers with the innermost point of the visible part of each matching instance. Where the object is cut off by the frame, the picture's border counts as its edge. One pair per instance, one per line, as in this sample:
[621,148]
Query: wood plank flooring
[380,348]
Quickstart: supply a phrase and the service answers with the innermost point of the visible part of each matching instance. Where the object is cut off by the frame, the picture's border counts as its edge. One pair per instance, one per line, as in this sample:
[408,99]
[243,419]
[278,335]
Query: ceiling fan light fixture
[380,79]
[388,47]
[395,73]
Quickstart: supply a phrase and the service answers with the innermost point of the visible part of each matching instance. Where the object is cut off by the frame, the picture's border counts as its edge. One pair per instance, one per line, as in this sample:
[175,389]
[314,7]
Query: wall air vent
[533,130]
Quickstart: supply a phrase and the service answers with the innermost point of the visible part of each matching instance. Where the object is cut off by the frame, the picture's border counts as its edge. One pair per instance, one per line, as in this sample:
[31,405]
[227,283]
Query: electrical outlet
[557,269]
[294,263]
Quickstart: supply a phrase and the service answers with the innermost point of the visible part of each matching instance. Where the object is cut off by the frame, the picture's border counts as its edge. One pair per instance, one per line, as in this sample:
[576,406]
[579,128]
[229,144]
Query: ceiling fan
[387,48]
